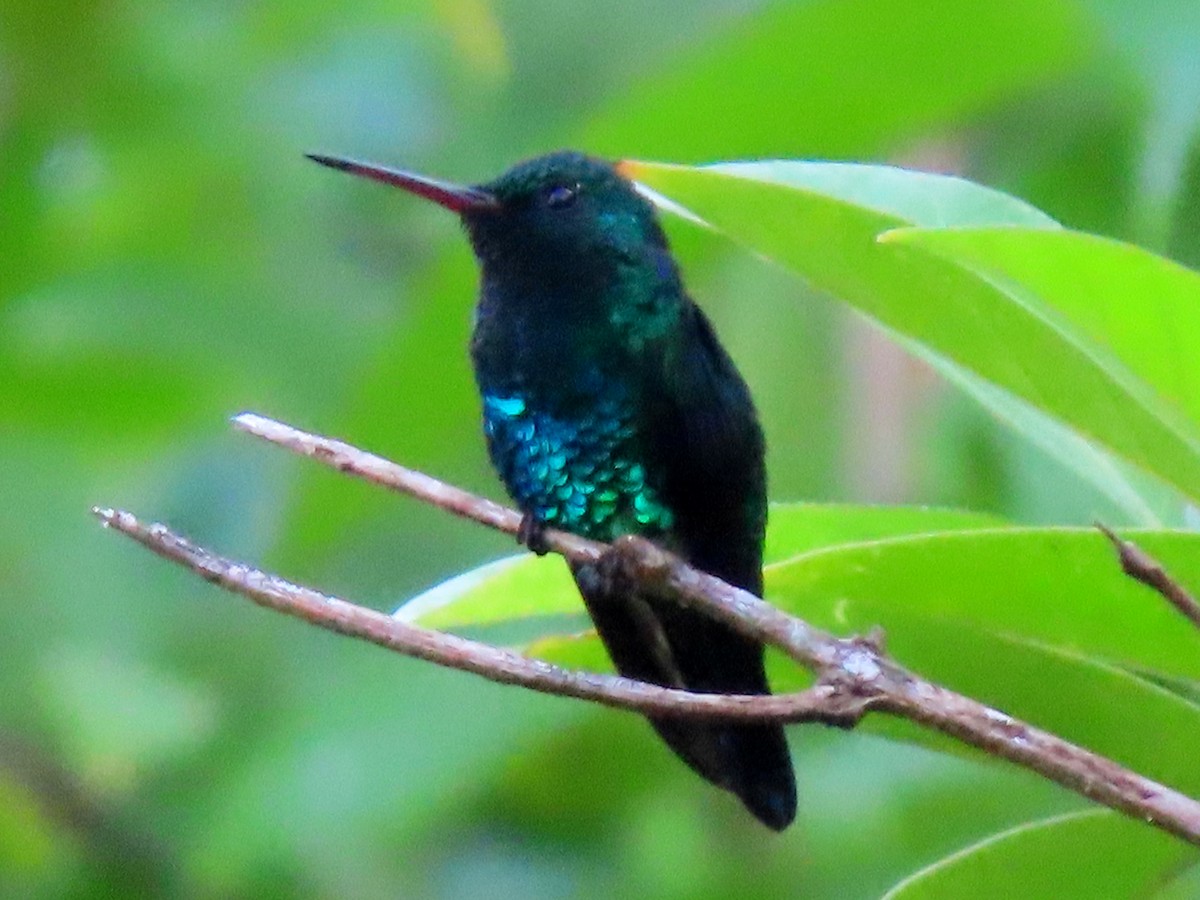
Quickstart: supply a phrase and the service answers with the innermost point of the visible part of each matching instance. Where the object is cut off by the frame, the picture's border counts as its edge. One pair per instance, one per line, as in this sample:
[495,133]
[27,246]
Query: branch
[1141,566]
[748,614]
[853,676]
[819,703]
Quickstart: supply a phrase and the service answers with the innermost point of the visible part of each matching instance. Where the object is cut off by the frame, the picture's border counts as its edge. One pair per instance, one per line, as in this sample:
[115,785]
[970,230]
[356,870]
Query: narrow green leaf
[515,587]
[936,201]
[952,313]
[1140,312]
[1058,586]
[1085,854]
[1145,502]
[795,528]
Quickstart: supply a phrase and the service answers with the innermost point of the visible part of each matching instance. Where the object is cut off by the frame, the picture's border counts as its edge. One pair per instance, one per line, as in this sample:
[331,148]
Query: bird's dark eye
[561,196]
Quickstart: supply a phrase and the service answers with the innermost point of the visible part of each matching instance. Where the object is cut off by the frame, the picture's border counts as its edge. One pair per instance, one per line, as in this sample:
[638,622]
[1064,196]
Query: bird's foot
[532,534]
[608,577]
[633,563]
[635,559]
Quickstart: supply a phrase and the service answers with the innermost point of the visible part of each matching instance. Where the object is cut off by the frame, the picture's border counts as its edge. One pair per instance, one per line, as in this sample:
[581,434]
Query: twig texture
[1141,566]
[853,675]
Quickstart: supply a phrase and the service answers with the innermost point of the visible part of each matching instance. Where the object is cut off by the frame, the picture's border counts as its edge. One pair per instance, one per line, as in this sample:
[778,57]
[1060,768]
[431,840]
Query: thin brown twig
[754,617]
[853,675]
[859,666]
[819,703]
[1141,566]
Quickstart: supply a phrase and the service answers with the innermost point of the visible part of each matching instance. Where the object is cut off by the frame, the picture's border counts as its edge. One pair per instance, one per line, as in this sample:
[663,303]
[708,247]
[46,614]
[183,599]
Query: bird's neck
[549,339]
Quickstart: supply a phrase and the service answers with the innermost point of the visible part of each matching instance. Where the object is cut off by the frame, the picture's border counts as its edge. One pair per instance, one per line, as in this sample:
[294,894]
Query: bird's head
[557,214]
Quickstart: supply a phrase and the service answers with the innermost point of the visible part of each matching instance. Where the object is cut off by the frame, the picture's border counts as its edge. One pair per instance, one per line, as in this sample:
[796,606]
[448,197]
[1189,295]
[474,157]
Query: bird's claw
[532,534]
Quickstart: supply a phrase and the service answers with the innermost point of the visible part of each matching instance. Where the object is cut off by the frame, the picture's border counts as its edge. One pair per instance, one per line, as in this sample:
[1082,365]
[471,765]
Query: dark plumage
[610,408]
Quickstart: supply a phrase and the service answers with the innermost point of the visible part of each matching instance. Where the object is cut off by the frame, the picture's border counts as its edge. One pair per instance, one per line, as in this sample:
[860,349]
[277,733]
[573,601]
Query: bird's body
[610,408]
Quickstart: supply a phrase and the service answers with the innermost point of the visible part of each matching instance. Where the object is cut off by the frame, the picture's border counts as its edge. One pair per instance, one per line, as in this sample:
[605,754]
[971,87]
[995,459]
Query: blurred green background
[168,258]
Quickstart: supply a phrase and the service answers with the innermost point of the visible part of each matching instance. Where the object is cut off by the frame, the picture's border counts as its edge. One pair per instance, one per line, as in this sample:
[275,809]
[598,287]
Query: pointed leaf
[1085,855]
[1139,312]
[1059,586]
[951,313]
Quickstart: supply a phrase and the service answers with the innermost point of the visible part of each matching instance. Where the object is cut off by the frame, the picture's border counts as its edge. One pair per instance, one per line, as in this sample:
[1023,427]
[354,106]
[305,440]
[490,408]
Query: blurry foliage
[167,258]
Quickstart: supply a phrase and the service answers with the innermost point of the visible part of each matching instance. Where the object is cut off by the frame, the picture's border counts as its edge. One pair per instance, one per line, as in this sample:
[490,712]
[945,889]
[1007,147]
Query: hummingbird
[610,408]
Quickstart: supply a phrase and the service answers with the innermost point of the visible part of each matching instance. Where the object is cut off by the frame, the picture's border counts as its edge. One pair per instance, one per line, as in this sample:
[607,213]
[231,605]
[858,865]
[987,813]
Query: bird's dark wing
[705,449]
[710,451]
[709,454]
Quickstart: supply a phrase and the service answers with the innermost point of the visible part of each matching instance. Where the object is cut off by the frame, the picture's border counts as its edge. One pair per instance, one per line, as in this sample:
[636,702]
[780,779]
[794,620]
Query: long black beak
[455,197]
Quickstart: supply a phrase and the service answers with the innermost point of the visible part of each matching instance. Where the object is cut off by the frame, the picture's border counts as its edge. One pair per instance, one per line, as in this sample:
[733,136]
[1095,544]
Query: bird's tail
[674,647]
[751,761]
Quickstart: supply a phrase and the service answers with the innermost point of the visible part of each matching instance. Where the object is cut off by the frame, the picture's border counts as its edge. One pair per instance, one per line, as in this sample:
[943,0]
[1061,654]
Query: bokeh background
[168,258]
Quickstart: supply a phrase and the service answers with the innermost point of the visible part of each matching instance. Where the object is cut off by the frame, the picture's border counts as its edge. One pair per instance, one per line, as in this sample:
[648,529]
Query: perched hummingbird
[610,408]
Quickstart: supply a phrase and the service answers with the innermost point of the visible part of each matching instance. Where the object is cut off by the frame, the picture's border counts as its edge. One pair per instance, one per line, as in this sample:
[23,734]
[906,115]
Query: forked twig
[853,675]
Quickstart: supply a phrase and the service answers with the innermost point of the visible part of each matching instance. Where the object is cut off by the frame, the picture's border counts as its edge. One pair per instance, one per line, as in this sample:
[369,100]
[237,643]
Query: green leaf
[799,527]
[1138,313]
[950,314]
[515,587]
[936,201]
[1039,623]
[1131,491]
[1084,854]
[1061,587]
